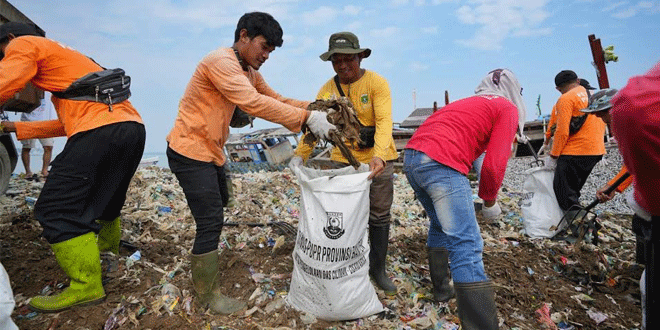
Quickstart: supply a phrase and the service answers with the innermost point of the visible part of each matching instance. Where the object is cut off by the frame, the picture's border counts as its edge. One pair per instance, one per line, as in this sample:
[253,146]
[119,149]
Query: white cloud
[418,66]
[500,19]
[320,16]
[399,2]
[385,32]
[642,7]
[430,30]
[615,6]
[352,10]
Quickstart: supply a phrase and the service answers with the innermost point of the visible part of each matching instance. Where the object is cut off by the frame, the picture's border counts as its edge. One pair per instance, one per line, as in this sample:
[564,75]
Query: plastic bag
[331,257]
[6,302]
[540,209]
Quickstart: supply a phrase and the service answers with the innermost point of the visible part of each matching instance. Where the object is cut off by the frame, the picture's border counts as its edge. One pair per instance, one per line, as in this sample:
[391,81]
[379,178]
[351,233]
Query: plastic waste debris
[130,261]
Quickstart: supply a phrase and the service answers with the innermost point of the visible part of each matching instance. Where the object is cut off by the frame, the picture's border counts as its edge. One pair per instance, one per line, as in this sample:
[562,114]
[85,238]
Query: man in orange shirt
[87,184]
[225,80]
[552,123]
[577,148]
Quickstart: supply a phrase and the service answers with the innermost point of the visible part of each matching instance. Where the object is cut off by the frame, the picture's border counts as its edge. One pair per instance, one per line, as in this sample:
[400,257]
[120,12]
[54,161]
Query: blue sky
[422,47]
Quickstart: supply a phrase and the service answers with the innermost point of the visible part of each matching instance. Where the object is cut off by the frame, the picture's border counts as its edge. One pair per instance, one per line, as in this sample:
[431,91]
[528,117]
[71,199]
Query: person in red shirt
[87,184]
[636,125]
[437,160]
[225,80]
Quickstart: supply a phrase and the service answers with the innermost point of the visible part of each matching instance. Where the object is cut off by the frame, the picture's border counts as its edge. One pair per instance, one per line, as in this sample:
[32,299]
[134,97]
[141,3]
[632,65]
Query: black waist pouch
[367,134]
[576,124]
[240,119]
[109,86]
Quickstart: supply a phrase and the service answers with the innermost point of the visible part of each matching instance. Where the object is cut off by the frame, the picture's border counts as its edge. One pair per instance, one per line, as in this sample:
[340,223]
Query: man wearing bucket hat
[370,95]
[599,105]
[576,151]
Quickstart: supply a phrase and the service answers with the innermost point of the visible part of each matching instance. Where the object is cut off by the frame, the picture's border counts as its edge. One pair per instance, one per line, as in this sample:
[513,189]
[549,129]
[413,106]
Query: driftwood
[341,114]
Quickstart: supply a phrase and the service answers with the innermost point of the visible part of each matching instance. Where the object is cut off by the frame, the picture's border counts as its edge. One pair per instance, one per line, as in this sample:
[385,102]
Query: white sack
[6,302]
[540,209]
[331,257]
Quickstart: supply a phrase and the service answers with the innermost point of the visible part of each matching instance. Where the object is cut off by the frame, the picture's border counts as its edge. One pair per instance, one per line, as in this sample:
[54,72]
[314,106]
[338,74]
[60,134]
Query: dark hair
[260,24]
[18,29]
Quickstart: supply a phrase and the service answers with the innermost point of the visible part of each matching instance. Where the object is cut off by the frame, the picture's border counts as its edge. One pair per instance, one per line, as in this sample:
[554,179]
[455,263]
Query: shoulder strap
[341,92]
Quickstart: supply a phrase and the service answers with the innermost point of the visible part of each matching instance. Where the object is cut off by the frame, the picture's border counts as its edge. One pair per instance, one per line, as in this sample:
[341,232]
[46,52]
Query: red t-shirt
[461,131]
[636,125]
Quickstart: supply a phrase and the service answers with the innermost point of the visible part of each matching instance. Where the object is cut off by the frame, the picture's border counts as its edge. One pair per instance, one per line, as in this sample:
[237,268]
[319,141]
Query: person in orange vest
[225,82]
[88,180]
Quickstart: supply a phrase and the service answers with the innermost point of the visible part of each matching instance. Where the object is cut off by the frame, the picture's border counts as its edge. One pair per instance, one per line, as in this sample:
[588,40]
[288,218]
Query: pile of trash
[540,283]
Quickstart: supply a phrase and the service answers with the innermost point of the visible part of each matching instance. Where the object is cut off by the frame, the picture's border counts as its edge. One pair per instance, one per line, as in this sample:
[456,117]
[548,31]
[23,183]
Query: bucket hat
[344,43]
[600,101]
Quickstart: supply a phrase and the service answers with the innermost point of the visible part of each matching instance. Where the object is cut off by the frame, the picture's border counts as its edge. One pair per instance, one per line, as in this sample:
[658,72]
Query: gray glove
[491,213]
[319,125]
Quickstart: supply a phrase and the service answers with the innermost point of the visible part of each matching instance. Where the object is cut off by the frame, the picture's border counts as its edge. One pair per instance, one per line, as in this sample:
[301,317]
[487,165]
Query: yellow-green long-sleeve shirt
[372,102]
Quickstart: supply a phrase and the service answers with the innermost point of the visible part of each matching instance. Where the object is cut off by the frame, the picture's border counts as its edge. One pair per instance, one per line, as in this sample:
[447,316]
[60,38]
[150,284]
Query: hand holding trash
[376,166]
[491,212]
[319,125]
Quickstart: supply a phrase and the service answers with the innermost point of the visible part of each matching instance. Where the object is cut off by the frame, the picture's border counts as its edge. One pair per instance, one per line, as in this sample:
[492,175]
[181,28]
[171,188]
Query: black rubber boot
[439,268]
[476,306]
[378,240]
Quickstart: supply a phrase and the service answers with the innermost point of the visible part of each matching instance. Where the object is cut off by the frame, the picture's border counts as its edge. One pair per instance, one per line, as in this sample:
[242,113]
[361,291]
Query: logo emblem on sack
[334,227]
[364,98]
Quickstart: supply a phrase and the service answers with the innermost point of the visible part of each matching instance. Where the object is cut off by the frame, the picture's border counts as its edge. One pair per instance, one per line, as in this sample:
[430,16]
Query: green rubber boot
[110,235]
[79,258]
[231,202]
[204,275]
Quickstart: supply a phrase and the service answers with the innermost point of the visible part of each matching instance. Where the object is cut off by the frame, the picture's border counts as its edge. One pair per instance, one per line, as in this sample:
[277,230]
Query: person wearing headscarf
[498,82]
[437,160]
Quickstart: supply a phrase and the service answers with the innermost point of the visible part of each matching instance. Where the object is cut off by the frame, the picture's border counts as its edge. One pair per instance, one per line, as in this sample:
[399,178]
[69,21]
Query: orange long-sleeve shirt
[218,85]
[589,140]
[625,184]
[52,66]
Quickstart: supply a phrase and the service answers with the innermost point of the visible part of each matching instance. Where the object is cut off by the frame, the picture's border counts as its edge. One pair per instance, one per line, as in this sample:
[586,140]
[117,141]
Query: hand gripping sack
[331,257]
[540,209]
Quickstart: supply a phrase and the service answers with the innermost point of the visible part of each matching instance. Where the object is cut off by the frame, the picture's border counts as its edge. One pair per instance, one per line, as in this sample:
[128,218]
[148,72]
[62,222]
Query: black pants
[88,180]
[205,187]
[651,242]
[571,174]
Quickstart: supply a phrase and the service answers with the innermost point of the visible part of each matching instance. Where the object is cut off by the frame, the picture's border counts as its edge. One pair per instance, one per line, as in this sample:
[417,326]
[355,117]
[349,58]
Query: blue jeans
[447,198]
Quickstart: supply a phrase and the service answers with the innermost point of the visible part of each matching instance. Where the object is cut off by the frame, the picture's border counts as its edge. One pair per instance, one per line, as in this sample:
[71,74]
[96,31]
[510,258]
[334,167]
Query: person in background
[39,114]
[436,162]
[88,180]
[636,125]
[552,123]
[370,95]
[578,143]
[224,80]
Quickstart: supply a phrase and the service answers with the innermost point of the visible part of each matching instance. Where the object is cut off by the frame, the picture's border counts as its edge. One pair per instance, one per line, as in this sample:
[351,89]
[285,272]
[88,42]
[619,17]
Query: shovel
[580,220]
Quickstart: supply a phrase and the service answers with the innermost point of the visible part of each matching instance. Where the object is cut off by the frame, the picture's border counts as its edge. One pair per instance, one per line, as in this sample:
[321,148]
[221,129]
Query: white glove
[521,138]
[491,213]
[319,125]
[296,161]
